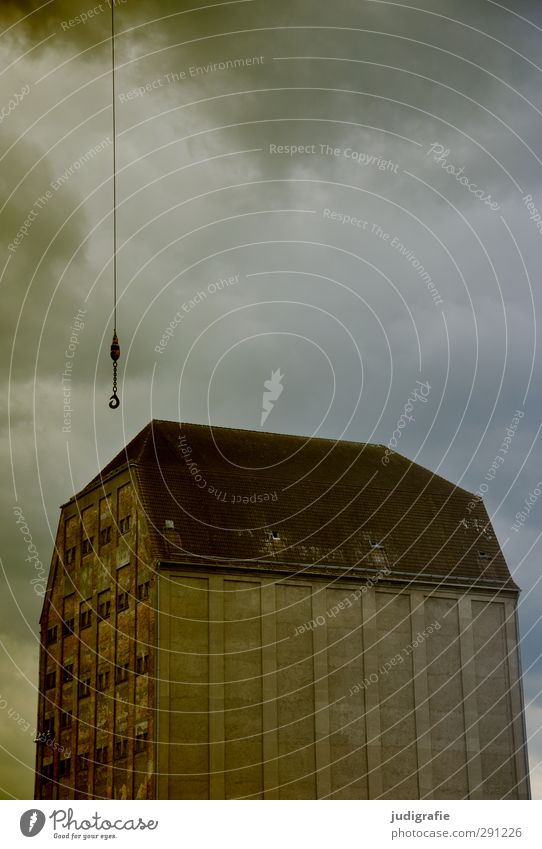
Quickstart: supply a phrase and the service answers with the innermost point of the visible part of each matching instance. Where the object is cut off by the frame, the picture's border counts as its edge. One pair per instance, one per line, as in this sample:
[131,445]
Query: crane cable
[114,401]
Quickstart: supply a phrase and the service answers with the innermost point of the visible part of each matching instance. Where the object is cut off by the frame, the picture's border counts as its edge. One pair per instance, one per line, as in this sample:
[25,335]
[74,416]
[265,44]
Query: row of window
[120,751]
[66,720]
[48,732]
[84,685]
[87,546]
[103,611]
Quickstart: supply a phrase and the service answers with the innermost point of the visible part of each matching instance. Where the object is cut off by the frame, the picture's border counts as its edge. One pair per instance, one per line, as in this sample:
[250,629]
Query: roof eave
[350,573]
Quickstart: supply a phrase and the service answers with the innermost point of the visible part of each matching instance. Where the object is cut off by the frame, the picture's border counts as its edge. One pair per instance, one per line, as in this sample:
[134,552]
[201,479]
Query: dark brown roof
[331,503]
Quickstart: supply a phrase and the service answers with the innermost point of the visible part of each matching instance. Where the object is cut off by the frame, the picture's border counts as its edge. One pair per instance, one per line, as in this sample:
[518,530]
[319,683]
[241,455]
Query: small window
[67,673]
[142,664]
[105,535]
[85,617]
[47,771]
[52,634]
[84,688]
[122,601]
[68,626]
[88,546]
[49,727]
[50,680]
[143,591]
[70,556]
[45,737]
[104,608]
[102,754]
[103,680]
[66,719]
[141,742]
[121,674]
[121,748]
[124,525]
[65,767]
[82,761]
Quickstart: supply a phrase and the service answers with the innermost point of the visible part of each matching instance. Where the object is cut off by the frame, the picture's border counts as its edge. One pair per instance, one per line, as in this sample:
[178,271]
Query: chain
[114,401]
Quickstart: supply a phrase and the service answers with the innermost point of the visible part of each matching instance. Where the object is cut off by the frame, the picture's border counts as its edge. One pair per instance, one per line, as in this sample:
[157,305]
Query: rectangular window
[66,719]
[84,688]
[104,604]
[105,535]
[65,767]
[49,727]
[82,761]
[122,601]
[124,525]
[121,674]
[52,634]
[142,664]
[68,626]
[67,673]
[143,591]
[47,771]
[87,547]
[102,754]
[121,748]
[141,742]
[50,680]
[103,680]
[70,555]
[85,615]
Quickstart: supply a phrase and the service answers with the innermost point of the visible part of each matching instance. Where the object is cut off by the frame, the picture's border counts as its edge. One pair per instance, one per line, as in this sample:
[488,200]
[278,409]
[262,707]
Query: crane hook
[114,401]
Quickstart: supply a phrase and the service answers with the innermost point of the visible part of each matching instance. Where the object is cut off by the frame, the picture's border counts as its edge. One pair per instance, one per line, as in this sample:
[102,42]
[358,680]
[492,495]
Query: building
[238,614]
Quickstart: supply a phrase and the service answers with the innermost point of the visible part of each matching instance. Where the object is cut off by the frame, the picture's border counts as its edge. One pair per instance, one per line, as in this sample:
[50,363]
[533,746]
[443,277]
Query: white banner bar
[269,824]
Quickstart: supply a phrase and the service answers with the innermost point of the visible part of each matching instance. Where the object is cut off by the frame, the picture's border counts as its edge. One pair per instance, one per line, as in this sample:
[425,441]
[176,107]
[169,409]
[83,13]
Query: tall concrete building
[237,614]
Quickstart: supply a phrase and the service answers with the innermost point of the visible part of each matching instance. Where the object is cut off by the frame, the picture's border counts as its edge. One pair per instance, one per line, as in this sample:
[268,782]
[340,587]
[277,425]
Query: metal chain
[114,401]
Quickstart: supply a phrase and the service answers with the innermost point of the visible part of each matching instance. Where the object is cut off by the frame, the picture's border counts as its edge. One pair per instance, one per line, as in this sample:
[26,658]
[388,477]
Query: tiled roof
[333,505]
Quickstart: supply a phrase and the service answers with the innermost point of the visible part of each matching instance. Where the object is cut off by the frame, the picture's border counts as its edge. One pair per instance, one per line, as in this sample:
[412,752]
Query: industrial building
[237,614]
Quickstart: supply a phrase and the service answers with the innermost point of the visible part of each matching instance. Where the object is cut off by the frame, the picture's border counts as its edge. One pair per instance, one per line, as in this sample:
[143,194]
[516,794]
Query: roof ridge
[336,440]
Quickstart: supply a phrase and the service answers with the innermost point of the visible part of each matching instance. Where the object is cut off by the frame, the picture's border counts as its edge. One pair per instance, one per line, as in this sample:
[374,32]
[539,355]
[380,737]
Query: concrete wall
[304,689]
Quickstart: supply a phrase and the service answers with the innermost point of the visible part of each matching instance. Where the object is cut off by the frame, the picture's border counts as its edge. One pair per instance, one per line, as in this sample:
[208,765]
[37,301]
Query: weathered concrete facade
[268,689]
[225,640]
[96,667]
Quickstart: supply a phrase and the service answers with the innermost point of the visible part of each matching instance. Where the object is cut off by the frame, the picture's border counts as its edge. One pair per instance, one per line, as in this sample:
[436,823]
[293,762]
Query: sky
[348,192]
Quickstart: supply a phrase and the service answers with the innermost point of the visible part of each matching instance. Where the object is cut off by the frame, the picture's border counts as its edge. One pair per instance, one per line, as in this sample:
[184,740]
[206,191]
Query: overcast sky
[394,243]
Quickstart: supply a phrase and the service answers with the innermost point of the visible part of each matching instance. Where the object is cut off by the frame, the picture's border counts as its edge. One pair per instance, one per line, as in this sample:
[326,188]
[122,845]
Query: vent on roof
[375,544]
[275,535]
[169,525]
[483,555]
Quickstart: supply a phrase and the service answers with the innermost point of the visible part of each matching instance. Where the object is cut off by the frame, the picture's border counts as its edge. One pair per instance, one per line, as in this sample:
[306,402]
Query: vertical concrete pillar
[163,687]
[372,701]
[321,694]
[421,698]
[270,746]
[470,707]
[519,734]
[216,687]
